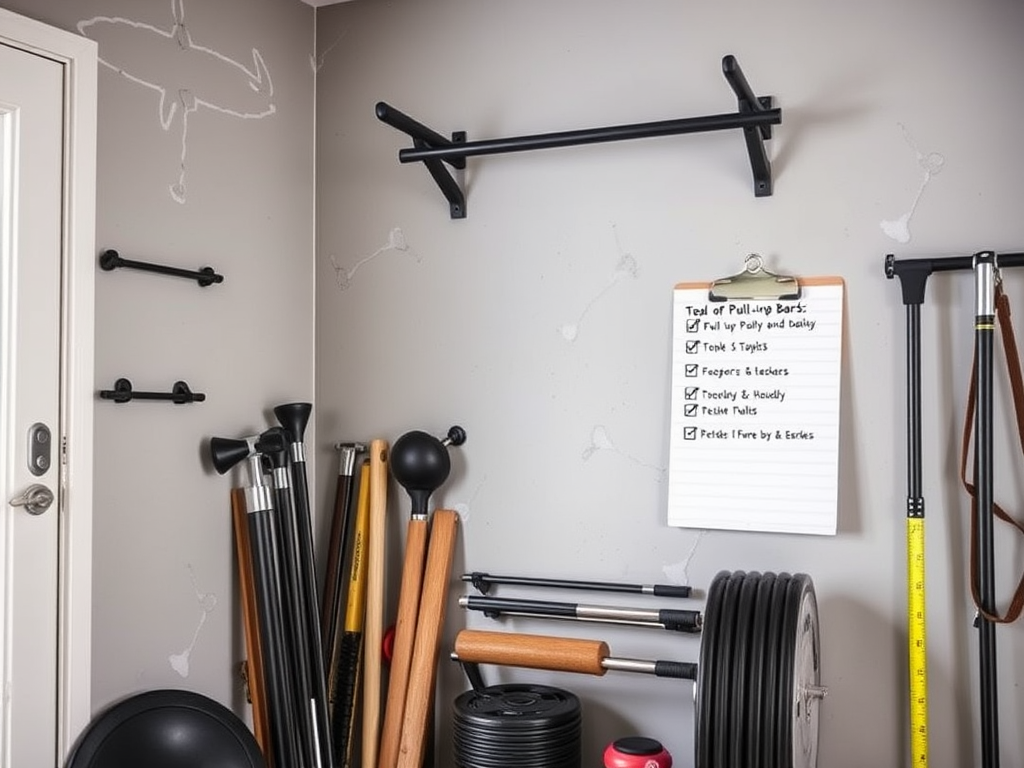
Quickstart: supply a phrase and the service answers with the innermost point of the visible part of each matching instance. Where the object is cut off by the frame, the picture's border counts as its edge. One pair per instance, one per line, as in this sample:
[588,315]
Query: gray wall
[890,110]
[165,613]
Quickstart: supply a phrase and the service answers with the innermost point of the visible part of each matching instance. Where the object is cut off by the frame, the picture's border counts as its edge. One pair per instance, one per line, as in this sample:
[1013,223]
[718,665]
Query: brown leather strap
[1017,388]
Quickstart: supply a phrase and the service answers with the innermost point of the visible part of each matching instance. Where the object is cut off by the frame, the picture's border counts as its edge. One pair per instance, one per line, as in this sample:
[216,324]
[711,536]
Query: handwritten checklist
[754,441]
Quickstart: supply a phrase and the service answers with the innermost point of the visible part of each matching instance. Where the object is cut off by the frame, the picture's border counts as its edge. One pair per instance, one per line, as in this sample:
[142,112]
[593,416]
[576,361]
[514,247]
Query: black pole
[297,640]
[294,417]
[483,582]
[266,577]
[592,135]
[984,329]
[913,280]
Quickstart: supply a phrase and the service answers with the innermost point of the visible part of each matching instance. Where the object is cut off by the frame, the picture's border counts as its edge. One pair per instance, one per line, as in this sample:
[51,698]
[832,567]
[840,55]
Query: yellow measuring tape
[918,655]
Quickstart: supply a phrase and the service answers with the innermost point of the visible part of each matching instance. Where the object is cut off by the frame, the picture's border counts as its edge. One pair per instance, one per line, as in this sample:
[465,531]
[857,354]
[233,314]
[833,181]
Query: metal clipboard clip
[754,282]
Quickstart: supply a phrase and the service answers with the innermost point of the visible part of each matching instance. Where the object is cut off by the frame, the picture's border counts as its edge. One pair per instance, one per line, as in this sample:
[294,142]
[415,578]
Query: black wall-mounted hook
[180,393]
[756,115]
[110,260]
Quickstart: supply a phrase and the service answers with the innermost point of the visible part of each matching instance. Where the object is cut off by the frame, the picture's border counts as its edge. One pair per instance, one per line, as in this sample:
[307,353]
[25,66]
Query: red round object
[636,752]
[387,648]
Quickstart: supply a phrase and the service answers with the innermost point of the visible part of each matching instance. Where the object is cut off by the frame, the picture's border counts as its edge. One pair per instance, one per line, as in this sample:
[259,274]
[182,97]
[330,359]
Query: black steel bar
[902,267]
[110,260]
[294,418]
[123,393]
[482,582]
[297,642]
[984,330]
[416,130]
[593,136]
[266,576]
[670,619]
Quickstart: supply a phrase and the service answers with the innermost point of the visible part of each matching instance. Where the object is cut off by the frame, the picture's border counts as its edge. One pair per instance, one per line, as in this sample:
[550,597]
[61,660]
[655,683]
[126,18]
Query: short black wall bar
[180,393]
[913,275]
[756,116]
[111,260]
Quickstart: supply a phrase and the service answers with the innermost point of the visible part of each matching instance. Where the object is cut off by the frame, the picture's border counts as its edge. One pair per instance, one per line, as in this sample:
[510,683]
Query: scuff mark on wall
[187,76]
[464,508]
[396,242]
[601,441]
[676,573]
[317,62]
[627,267]
[899,229]
[207,602]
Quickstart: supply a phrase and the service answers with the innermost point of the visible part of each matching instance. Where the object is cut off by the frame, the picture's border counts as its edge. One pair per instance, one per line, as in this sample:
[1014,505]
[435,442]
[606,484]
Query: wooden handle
[405,631]
[559,654]
[423,672]
[253,650]
[374,601]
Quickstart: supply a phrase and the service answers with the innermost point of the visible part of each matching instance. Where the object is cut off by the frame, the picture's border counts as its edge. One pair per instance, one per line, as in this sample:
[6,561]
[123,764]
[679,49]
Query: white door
[31,138]
[44,300]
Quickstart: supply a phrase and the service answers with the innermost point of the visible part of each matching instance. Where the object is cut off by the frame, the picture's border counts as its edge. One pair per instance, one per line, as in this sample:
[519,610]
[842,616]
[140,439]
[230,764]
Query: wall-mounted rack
[110,260]
[756,116]
[180,393]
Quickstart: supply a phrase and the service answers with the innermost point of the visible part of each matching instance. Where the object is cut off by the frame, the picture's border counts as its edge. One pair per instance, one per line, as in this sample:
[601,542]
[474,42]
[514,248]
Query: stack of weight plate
[527,726]
[758,678]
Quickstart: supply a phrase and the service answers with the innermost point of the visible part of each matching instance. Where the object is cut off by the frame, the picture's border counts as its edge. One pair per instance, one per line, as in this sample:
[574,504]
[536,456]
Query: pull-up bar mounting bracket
[755,116]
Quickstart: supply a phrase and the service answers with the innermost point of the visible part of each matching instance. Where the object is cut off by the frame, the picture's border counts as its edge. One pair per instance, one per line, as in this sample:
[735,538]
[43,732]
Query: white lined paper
[754,429]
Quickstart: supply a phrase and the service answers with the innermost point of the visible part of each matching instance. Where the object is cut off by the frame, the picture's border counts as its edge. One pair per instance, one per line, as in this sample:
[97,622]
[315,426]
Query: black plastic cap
[225,452]
[294,417]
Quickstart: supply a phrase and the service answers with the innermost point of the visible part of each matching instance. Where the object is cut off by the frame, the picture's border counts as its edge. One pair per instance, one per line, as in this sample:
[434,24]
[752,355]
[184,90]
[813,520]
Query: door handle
[36,499]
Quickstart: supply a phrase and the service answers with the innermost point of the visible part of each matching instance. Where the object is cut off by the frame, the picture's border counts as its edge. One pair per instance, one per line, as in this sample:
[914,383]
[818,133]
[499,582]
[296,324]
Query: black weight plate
[740,682]
[773,640]
[806,676]
[757,690]
[517,706]
[702,715]
[721,711]
[785,693]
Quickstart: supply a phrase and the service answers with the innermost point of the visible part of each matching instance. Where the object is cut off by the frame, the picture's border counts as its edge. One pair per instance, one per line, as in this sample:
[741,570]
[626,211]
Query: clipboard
[754,430]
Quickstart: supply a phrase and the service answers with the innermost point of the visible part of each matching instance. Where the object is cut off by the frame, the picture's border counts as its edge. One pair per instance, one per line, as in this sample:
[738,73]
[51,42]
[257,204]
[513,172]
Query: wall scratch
[317,62]
[601,441]
[186,75]
[207,602]
[677,572]
[627,267]
[899,229]
[396,242]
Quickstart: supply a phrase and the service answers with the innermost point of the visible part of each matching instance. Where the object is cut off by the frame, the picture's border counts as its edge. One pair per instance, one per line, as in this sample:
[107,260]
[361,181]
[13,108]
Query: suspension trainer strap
[1017,389]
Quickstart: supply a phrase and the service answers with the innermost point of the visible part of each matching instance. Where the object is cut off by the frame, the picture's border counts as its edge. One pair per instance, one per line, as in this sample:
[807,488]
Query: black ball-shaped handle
[420,463]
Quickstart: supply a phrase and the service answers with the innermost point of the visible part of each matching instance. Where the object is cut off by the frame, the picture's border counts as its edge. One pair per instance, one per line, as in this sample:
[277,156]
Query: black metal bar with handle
[111,260]
[180,393]
[483,582]
[755,116]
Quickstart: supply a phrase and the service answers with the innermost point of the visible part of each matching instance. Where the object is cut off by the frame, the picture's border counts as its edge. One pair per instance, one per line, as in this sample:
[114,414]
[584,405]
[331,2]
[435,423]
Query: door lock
[36,499]
[38,449]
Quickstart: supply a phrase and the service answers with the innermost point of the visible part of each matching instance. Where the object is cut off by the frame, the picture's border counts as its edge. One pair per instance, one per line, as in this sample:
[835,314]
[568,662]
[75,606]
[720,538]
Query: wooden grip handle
[423,669]
[560,654]
[374,633]
[405,632]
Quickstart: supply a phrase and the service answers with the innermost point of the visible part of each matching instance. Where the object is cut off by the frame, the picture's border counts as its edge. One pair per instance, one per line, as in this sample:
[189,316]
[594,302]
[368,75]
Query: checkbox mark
[689,433]
[690,409]
[690,369]
[692,347]
[690,393]
[692,326]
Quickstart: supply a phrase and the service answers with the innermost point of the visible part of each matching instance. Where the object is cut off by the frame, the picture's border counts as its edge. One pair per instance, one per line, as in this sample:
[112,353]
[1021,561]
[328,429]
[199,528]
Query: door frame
[79,57]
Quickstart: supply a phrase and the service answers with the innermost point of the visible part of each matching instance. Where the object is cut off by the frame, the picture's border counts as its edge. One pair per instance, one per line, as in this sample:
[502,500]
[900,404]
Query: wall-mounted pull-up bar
[756,115]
